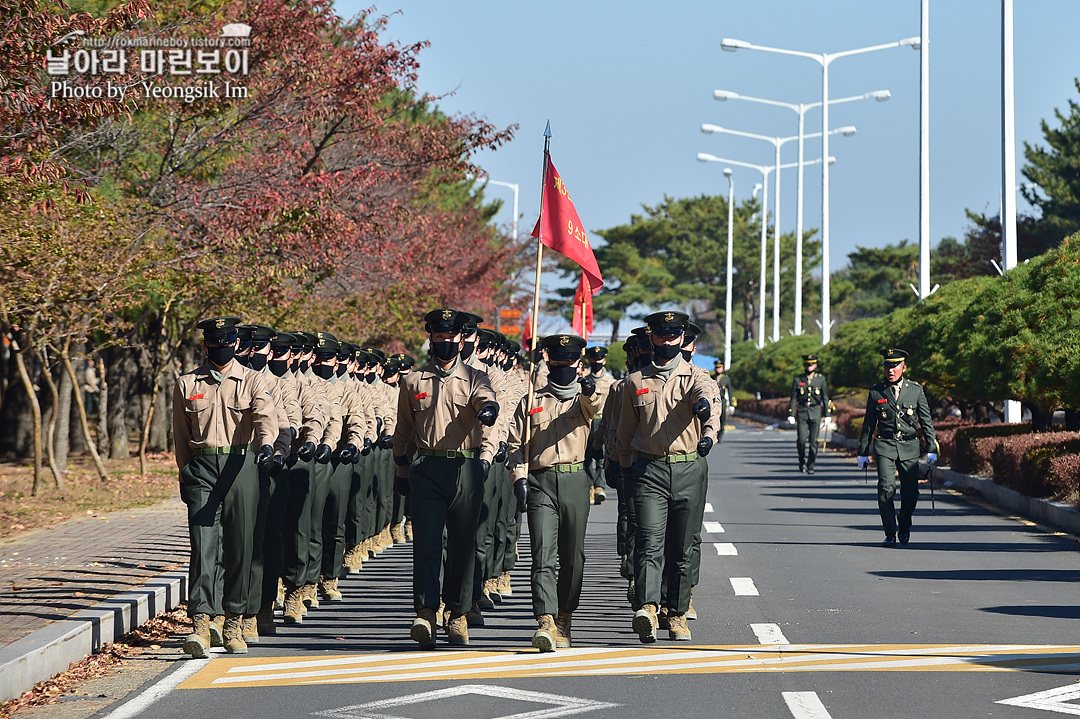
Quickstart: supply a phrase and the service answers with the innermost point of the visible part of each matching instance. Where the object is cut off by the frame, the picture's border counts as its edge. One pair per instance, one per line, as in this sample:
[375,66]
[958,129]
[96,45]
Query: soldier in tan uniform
[220,411]
[548,469]
[445,412]
[594,455]
[666,422]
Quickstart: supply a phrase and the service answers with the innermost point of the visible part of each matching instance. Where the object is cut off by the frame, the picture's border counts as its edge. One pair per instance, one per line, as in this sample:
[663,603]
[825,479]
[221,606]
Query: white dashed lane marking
[806,705]
[708,508]
[725,549]
[744,587]
[769,634]
[713,527]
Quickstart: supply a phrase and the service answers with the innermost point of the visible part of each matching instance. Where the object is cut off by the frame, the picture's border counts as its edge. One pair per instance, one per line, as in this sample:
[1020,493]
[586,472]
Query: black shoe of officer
[903,535]
[890,541]
[809,470]
[802,467]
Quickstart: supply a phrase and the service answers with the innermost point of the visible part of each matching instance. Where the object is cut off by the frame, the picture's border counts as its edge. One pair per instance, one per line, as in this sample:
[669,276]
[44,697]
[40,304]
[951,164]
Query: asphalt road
[802,614]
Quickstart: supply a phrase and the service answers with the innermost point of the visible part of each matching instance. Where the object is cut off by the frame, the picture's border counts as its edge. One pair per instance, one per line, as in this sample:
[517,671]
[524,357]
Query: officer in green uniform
[896,413]
[547,455]
[727,394]
[809,400]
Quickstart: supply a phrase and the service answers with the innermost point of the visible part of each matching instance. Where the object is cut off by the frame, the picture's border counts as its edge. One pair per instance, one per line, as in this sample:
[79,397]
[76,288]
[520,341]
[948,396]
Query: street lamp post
[823,59]
[513,186]
[800,109]
[764,170]
[1013,409]
[777,143]
[730,246]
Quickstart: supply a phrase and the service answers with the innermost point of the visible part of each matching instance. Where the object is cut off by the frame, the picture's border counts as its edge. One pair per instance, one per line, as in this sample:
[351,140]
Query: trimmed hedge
[1025,463]
[975,444]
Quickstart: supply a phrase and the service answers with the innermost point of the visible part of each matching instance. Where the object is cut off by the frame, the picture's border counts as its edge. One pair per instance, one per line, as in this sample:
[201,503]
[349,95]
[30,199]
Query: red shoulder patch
[197,396]
[882,401]
[422,395]
[643,390]
[534,410]
[802,384]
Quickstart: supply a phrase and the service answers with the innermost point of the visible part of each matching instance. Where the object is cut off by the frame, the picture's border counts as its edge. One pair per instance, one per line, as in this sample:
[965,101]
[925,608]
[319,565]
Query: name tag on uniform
[643,390]
[197,396]
[534,410]
[422,395]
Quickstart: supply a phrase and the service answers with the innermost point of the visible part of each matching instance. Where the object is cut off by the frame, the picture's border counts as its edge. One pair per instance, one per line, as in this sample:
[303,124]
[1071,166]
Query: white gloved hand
[864,462]
[931,457]
[790,419]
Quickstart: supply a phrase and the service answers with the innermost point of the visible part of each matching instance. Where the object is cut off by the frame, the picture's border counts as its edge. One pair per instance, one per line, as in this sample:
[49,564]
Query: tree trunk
[35,408]
[1042,419]
[50,435]
[614,331]
[122,373]
[83,421]
[16,418]
[62,441]
[103,410]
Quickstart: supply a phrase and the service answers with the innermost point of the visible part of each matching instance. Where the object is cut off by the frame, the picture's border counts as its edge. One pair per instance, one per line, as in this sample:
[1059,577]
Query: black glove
[264,457]
[367,447]
[276,465]
[306,451]
[488,414]
[702,409]
[500,456]
[704,445]
[588,386]
[402,460]
[613,475]
[346,455]
[521,491]
[485,468]
[378,425]
[322,454]
[386,441]
[401,484]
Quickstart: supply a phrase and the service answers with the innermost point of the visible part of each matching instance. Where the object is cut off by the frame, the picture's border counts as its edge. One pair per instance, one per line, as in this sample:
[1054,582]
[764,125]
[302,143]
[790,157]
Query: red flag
[560,228]
[526,334]
[583,314]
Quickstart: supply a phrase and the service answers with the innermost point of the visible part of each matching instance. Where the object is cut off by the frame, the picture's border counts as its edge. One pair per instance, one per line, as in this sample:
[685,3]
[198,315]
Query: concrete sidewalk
[67,590]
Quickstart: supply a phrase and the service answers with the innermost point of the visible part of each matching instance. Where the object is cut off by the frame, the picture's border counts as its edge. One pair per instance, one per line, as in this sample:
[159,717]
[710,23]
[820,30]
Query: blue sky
[627,84]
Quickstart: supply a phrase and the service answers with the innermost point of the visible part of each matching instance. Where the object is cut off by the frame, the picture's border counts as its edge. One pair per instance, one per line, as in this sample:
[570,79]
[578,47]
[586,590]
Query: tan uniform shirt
[371,406]
[332,403]
[657,416]
[352,427]
[558,431]
[283,442]
[440,413]
[237,412]
[603,385]
[314,413]
[388,396]
[606,433]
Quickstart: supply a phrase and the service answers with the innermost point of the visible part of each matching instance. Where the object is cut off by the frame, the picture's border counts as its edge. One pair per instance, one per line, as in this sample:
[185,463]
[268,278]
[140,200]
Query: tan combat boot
[599,495]
[677,628]
[367,550]
[592,495]
[408,530]
[233,634]
[385,541]
[249,628]
[691,613]
[504,585]
[491,589]
[645,623]
[562,630]
[544,636]
[457,630]
[353,562]
[279,600]
[311,596]
[442,616]
[474,617]
[294,606]
[197,644]
[396,534]
[264,620]
[328,589]
[485,602]
[423,628]
[216,635]
[662,618]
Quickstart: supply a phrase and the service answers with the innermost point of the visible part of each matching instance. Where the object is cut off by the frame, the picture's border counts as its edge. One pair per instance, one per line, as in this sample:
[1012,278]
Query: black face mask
[562,375]
[278,367]
[257,362]
[467,350]
[246,361]
[445,350]
[323,371]
[489,360]
[305,365]
[596,367]
[370,378]
[644,361]
[508,365]
[686,355]
[666,352]
[221,356]
[294,364]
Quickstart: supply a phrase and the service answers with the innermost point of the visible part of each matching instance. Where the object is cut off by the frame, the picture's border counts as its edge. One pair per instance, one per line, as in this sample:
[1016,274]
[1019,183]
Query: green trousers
[504,523]
[667,499]
[446,496]
[273,545]
[485,528]
[320,490]
[558,515]
[887,470]
[221,492]
[624,535]
[807,426]
[296,526]
[355,526]
[594,460]
[695,560]
[333,518]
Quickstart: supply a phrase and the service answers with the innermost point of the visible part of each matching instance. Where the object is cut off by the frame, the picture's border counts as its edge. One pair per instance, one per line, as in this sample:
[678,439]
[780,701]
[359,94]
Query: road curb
[50,650]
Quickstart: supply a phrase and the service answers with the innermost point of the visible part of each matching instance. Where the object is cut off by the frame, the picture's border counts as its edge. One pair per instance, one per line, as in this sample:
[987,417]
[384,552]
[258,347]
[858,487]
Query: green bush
[975,445]
[1023,462]
[771,369]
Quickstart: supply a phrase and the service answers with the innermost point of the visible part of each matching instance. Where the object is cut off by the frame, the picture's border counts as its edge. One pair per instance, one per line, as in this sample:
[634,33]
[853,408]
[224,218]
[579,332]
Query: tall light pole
[924,152]
[800,109]
[825,60]
[730,246]
[513,186]
[1013,410]
[764,170]
[777,143]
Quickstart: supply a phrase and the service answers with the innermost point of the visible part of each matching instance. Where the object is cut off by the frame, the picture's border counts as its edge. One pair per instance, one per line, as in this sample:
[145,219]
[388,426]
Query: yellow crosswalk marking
[225,671]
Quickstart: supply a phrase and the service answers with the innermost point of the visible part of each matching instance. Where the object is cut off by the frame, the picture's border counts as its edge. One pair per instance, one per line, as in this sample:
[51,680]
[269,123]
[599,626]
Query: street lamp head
[915,43]
[848,130]
[757,188]
[706,157]
[710,129]
[723,95]
[832,160]
[731,44]
[727,172]
[879,95]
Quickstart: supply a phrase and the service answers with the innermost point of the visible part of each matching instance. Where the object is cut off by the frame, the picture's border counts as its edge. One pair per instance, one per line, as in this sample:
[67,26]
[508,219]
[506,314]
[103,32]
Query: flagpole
[536,304]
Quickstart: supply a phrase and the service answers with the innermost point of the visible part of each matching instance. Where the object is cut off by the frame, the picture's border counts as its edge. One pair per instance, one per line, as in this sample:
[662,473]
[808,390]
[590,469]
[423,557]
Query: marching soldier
[445,412]
[896,413]
[727,395]
[594,452]
[659,442]
[809,400]
[551,485]
[220,411]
